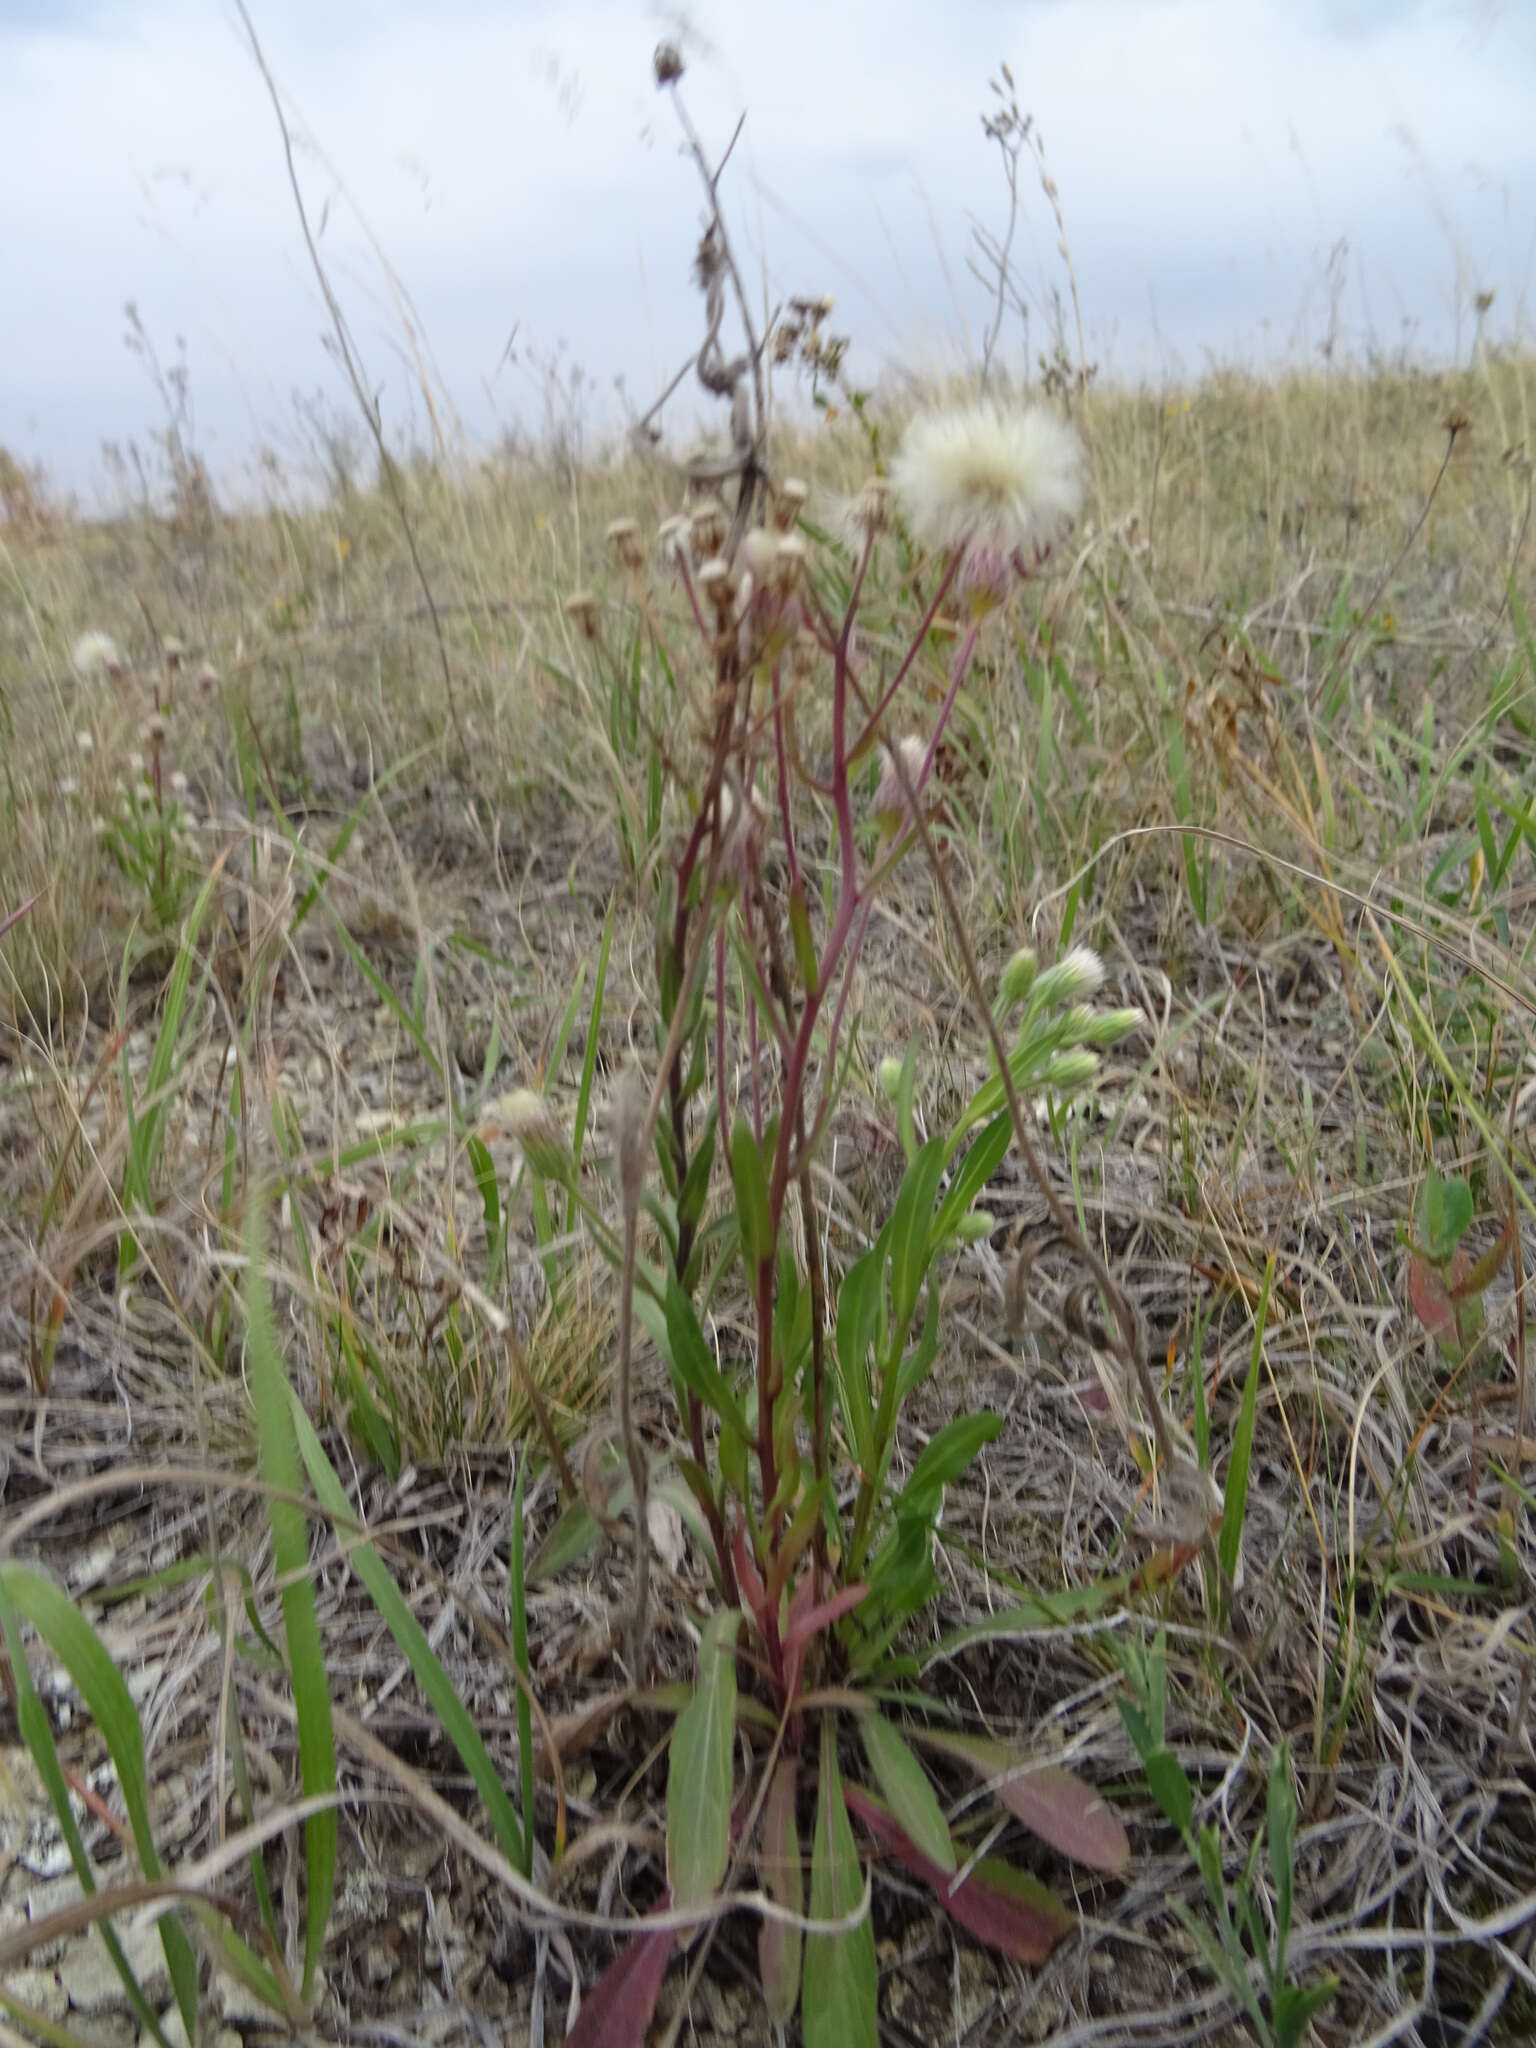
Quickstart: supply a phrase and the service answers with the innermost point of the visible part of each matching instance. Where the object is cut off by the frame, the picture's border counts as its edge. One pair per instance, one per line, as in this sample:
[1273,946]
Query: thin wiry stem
[366,403]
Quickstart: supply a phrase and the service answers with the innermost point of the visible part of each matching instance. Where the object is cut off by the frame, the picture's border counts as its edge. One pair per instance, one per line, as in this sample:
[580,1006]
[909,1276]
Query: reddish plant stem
[872,724]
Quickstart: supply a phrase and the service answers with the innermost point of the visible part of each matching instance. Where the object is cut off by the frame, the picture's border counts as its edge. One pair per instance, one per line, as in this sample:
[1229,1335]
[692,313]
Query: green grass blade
[290,1547]
[589,1061]
[1236,1506]
[410,1636]
[32,1719]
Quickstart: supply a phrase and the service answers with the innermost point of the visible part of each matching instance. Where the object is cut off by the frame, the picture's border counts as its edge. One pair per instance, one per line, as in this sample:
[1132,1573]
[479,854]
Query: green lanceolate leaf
[783,1879]
[949,1454]
[907,1790]
[858,1312]
[911,1226]
[980,1163]
[838,2006]
[100,1684]
[751,1183]
[1443,1213]
[699,1777]
[694,1360]
[411,1638]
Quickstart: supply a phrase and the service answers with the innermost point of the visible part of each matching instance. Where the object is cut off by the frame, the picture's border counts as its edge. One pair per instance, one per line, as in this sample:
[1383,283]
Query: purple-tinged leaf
[806,1625]
[1429,1298]
[617,2010]
[1006,1908]
[1050,1801]
[783,1878]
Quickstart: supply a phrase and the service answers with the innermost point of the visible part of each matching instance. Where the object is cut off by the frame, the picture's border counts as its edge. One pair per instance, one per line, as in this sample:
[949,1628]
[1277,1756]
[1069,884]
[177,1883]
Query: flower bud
[1108,1027]
[631,1137]
[972,1228]
[1071,1069]
[528,1119]
[889,1073]
[1072,980]
[1018,976]
[984,580]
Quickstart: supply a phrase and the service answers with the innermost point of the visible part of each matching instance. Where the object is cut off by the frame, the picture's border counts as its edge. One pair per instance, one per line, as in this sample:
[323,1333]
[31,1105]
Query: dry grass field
[359,829]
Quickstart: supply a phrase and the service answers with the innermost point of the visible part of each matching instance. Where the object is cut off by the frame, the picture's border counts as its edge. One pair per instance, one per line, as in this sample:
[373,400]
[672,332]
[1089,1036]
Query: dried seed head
[97,654]
[790,558]
[718,584]
[805,655]
[624,539]
[789,502]
[891,803]
[865,515]
[710,524]
[581,606]
[756,553]
[175,652]
[672,537]
[85,741]
[631,1139]
[667,63]
[207,678]
[179,783]
[155,729]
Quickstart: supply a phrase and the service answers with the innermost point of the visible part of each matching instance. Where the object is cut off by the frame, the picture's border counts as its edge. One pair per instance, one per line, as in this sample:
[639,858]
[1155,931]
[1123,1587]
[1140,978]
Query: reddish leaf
[1050,1801]
[1003,1907]
[1428,1298]
[617,2010]
[804,1626]
[750,1579]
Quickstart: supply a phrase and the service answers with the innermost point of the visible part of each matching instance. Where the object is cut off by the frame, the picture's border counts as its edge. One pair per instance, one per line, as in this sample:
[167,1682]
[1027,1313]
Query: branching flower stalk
[991,491]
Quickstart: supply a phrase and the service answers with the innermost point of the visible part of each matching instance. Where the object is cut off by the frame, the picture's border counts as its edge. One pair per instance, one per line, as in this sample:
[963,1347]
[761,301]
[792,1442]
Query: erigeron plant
[819,1558]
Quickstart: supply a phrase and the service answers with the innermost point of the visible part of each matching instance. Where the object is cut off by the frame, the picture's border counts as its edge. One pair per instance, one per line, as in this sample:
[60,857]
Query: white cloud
[518,166]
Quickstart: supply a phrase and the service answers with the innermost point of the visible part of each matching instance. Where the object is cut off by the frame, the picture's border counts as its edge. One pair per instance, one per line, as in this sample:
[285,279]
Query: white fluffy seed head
[97,654]
[999,477]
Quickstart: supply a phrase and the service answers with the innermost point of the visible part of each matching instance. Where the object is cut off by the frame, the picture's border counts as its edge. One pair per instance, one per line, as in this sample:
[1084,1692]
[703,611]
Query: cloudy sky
[514,164]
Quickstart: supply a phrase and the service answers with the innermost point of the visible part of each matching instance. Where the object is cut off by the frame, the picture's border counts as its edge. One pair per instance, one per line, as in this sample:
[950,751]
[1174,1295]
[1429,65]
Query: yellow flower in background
[343,547]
